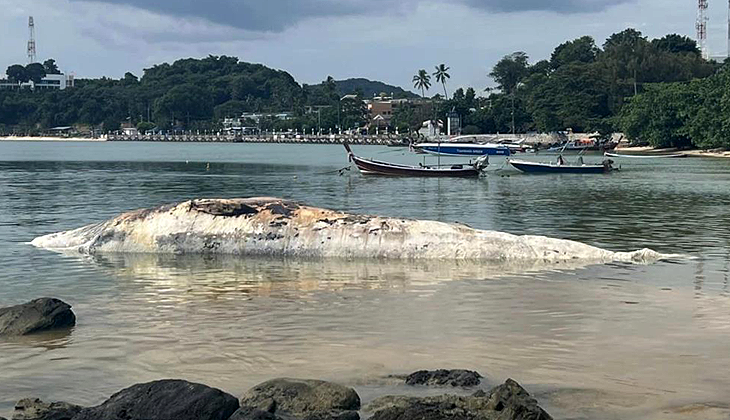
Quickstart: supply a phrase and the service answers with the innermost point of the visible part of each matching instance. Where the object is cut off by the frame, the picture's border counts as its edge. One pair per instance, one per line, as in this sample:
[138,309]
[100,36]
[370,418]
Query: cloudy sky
[387,40]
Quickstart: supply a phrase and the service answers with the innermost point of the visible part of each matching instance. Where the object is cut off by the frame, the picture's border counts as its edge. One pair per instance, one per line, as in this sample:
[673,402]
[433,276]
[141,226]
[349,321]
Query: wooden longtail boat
[375,167]
[562,168]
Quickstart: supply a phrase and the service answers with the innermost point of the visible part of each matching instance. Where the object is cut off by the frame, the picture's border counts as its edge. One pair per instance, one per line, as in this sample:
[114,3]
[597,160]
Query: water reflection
[567,333]
[260,275]
[48,340]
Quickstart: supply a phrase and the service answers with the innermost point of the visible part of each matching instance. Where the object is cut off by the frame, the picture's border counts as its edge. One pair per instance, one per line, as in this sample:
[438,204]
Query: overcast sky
[387,40]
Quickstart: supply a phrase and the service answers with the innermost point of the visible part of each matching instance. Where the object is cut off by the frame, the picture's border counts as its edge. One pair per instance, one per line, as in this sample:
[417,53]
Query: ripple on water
[570,335]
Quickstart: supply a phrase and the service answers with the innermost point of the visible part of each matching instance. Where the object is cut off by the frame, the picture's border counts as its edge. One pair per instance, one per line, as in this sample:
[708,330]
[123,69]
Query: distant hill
[371,88]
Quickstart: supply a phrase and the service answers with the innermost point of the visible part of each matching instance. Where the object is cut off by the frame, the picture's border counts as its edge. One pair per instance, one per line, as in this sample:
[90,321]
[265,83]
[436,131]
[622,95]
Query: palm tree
[422,81]
[441,77]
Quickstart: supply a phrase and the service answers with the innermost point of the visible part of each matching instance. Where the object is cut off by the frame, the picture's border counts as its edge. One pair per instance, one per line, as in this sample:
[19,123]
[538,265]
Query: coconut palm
[422,81]
[441,76]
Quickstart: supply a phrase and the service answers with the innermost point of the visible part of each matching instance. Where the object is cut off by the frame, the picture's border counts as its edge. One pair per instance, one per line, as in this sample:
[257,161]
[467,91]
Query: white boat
[468,145]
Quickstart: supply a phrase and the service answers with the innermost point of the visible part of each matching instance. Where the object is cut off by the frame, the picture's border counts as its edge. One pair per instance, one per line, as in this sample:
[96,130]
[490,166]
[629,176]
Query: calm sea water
[611,341]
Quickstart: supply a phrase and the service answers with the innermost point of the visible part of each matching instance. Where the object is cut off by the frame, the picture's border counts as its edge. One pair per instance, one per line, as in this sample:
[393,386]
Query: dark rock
[248,413]
[508,401]
[306,399]
[441,377]
[164,400]
[35,409]
[515,403]
[35,316]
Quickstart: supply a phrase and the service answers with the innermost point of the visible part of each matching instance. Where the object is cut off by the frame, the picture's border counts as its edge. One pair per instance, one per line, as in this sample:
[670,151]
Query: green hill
[370,88]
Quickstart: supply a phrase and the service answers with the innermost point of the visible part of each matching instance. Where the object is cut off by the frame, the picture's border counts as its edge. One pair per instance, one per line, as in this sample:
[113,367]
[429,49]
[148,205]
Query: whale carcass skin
[276,227]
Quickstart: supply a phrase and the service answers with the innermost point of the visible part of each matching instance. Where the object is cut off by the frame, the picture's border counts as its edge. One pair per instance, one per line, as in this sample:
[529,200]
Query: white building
[50,81]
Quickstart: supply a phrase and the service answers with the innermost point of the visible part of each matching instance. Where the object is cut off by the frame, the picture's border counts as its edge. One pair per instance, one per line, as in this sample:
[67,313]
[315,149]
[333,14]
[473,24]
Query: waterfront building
[49,82]
[381,109]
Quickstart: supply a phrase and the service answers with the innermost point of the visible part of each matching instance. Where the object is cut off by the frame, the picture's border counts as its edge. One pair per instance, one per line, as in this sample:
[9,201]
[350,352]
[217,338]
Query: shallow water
[611,341]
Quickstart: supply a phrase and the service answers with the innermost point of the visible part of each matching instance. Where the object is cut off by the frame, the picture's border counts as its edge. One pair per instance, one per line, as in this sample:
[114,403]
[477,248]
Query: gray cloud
[560,6]
[277,15]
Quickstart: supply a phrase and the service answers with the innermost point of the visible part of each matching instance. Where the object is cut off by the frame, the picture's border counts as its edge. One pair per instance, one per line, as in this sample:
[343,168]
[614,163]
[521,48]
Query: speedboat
[463,146]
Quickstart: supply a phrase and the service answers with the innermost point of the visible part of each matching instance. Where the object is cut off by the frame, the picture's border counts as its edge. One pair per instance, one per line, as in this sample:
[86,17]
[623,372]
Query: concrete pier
[379,140]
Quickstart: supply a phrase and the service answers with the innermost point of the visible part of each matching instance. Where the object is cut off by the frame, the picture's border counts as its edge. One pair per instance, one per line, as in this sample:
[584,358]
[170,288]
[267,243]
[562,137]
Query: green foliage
[675,43]
[681,114]
[581,50]
[369,88]
[17,73]
[441,74]
[35,72]
[422,81]
[510,70]
[584,87]
[183,94]
[51,67]
[145,126]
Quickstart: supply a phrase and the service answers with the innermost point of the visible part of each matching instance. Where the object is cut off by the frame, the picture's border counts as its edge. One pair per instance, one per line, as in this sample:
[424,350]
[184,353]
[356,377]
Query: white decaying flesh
[270,226]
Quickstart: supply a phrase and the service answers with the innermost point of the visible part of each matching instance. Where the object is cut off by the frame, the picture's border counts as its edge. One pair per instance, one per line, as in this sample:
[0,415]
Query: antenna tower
[702,27]
[31,41]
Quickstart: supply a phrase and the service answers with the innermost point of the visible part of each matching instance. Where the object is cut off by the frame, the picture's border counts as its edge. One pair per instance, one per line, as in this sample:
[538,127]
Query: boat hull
[547,168]
[672,156]
[371,167]
[445,149]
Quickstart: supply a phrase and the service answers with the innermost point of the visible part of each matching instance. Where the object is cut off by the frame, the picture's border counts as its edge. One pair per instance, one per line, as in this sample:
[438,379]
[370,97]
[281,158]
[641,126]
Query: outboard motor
[481,162]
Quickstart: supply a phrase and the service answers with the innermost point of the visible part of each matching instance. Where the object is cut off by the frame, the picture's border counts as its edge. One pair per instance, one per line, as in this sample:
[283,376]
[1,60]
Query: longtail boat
[562,167]
[376,167]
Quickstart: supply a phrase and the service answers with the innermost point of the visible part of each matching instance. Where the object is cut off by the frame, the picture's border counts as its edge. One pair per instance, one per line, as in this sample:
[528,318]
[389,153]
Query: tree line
[35,72]
[652,90]
[187,94]
[658,91]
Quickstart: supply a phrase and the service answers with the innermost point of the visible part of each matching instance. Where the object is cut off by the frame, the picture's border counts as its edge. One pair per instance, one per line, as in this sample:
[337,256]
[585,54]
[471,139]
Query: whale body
[265,226]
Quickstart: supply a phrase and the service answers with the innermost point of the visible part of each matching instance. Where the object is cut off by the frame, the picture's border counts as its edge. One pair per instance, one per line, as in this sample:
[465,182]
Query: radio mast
[31,41]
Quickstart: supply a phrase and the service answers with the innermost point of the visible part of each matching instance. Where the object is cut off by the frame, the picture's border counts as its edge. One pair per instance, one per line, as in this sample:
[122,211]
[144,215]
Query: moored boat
[376,167]
[561,167]
[647,156]
[474,145]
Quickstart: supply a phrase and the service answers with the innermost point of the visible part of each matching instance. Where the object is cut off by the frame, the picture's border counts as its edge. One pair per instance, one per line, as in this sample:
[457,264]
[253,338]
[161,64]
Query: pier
[373,140]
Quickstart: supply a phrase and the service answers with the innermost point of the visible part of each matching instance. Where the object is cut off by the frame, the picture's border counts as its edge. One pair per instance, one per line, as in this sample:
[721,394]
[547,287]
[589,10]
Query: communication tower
[31,41]
[702,27]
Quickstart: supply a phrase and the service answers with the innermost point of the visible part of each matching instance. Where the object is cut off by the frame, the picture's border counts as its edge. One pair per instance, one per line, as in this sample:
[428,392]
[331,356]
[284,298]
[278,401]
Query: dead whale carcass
[271,226]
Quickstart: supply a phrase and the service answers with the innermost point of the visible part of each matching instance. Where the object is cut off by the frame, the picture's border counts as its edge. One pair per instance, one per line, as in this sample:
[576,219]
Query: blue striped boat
[462,146]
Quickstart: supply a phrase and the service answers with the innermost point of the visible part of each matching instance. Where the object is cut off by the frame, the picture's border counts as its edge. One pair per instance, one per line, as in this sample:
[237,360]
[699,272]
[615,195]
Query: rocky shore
[35,316]
[277,399]
[286,399]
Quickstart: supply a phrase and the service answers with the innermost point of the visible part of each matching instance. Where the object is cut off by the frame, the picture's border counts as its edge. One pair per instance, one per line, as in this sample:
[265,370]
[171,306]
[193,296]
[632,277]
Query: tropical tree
[35,72]
[510,71]
[422,81]
[51,67]
[17,73]
[441,76]
[583,50]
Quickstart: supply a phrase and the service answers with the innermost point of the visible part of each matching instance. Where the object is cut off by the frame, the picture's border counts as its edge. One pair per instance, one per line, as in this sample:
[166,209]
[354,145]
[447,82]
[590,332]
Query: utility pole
[31,41]
[513,113]
[701,25]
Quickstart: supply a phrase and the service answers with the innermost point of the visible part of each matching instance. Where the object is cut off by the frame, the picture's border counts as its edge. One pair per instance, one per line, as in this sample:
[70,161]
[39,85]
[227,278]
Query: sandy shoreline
[69,139]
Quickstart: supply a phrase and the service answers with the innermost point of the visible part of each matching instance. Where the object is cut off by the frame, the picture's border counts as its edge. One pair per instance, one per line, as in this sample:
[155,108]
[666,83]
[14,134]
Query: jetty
[220,137]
